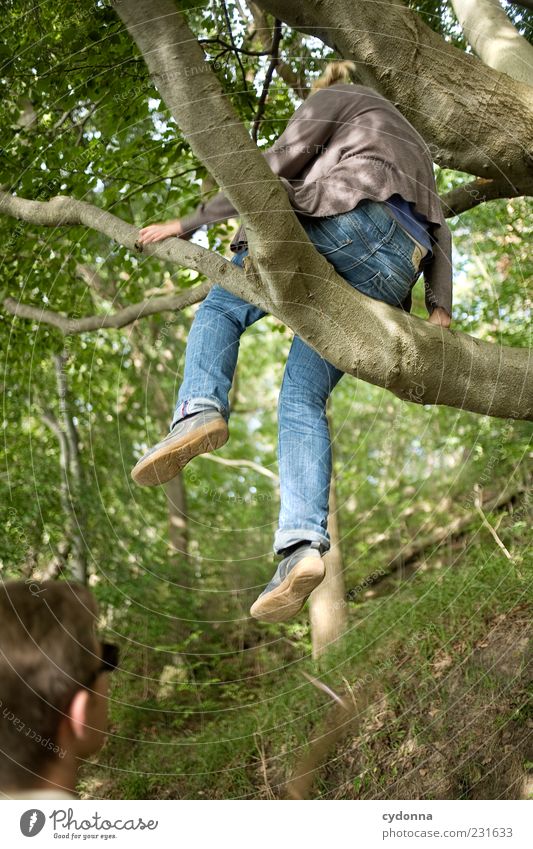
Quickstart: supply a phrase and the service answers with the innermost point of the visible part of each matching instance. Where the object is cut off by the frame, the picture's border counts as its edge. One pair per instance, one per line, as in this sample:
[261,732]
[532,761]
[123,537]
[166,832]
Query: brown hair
[336,72]
[48,651]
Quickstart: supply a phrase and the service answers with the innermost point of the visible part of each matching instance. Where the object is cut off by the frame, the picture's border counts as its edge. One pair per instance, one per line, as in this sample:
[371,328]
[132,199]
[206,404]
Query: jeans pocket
[328,235]
[389,287]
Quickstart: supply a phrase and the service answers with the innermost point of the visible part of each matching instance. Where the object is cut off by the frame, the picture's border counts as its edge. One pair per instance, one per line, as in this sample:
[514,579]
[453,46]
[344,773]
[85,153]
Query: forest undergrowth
[434,677]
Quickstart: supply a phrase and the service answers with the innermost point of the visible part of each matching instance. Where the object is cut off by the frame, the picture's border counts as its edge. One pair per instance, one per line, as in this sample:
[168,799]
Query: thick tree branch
[477,119]
[495,39]
[361,336]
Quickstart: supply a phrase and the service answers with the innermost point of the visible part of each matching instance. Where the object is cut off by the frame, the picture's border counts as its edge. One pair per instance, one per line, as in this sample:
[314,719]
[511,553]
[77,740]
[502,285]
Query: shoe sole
[288,599]
[166,463]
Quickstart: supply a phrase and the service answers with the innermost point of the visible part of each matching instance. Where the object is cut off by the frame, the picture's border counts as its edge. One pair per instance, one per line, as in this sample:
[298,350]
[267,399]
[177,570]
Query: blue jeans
[372,252]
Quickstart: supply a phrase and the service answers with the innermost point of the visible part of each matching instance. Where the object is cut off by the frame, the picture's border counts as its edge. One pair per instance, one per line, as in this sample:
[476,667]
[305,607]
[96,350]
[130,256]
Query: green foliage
[243,723]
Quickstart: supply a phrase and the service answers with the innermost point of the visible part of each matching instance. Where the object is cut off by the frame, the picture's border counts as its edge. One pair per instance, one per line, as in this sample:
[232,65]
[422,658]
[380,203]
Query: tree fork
[394,51]
[363,337]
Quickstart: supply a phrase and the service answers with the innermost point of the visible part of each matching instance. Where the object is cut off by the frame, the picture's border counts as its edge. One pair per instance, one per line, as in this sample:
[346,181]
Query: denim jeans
[372,252]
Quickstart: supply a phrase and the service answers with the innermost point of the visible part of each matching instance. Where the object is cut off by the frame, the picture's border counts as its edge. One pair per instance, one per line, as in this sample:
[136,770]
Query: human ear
[78,715]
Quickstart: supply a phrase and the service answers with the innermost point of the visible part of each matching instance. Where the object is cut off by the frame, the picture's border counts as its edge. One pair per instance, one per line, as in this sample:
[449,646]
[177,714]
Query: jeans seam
[347,240]
[387,236]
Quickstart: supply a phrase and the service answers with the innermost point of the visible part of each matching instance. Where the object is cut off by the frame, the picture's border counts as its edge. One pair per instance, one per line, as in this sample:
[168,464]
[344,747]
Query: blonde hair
[336,72]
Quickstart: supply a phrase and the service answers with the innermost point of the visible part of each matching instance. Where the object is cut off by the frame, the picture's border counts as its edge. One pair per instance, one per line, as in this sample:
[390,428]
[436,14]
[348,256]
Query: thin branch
[143,186]
[477,504]
[234,47]
[131,313]
[261,470]
[268,78]
[83,123]
[229,47]
[325,689]
[412,551]
[63,211]
[527,4]
[283,69]
[59,123]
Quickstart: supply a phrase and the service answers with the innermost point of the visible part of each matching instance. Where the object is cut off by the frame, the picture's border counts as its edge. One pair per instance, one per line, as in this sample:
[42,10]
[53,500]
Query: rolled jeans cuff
[195,405]
[285,538]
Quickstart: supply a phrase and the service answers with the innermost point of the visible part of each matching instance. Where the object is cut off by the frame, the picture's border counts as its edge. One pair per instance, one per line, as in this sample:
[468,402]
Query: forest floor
[436,677]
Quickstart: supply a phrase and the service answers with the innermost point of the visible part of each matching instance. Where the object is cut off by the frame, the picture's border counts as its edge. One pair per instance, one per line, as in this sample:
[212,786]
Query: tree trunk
[174,489]
[397,54]
[360,336]
[177,516]
[327,604]
[71,488]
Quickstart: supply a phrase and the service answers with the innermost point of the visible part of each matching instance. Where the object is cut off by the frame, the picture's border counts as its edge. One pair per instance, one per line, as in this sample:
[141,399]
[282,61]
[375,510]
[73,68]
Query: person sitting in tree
[360,178]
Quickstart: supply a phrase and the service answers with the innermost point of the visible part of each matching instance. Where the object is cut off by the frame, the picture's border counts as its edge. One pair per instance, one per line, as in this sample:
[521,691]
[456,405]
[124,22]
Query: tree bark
[175,492]
[495,39]
[177,517]
[327,604]
[340,720]
[71,487]
[397,54]
[363,337]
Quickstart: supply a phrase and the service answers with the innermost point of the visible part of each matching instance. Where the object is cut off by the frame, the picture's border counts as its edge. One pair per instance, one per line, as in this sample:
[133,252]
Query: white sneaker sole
[165,464]
[288,599]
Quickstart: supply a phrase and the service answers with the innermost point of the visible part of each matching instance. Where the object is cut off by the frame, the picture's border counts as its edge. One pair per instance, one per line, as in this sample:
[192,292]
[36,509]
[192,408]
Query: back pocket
[328,236]
[390,288]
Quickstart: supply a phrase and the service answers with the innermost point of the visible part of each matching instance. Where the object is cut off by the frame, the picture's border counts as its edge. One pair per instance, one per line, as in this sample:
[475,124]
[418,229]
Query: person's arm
[217,209]
[440,317]
[309,128]
[438,278]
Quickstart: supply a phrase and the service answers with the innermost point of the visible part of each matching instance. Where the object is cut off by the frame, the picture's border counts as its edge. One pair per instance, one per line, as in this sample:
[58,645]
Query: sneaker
[296,577]
[196,434]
